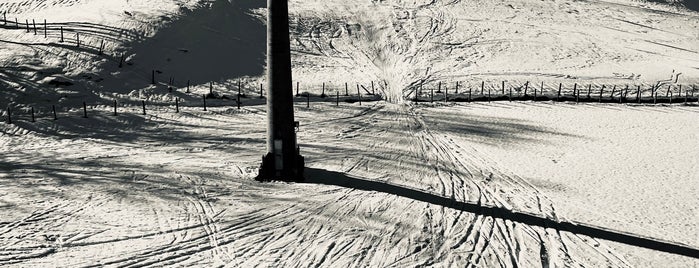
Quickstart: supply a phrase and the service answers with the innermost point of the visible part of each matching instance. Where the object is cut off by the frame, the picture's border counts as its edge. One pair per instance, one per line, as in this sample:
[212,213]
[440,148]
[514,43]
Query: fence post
[115,108]
[372,88]
[638,95]
[238,101]
[53,107]
[526,88]
[143,103]
[457,88]
[297,89]
[655,97]
[101,46]
[346,90]
[211,89]
[667,94]
[503,87]
[262,93]
[589,89]
[34,23]
[9,115]
[337,98]
[510,95]
[482,87]
[33,120]
[558,97]
[446,95]
[322,94]
[84,110]
[77,39]
[576,93]
[439,87]
[203,96]
[187,86]
[61,34]
[177,105]
[431,94]
[359,95]
[26,22]
[622,94]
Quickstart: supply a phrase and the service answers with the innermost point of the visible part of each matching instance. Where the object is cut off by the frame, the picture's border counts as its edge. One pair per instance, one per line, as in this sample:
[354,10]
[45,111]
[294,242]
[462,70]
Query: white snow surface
[177,189]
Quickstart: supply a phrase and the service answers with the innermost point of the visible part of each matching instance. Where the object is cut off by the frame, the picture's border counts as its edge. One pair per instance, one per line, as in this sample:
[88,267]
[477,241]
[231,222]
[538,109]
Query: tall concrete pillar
[283,160]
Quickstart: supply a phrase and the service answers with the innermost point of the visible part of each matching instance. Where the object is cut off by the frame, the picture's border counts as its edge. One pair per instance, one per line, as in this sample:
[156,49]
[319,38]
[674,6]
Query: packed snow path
[177,189]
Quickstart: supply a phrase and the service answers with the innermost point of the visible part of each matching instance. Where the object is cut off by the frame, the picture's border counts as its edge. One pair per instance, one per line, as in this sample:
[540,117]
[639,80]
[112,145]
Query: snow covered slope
[176,189]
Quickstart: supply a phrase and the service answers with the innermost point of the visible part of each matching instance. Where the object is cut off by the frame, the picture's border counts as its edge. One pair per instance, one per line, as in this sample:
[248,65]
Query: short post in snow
[322,94]
[177,105]
[115,108]
[346,90]
[53,108]
[33,120]
[238,101]
[456,89]
[510,96]
[576,93]
[262,93]
[638,95]
[372,88]
[482,87]
[34,23]
[431,94]
[308,100]
[204,99]
[359,94]
[469,94]
[77,39]
[503,87]
[187,91]
[526,88]
[84,110]
[337,98]
[61,34]
[439,87]
[26,22]
[297,89]
[143,103]
[560,86]
[211,89]
[45,29]
[9,115]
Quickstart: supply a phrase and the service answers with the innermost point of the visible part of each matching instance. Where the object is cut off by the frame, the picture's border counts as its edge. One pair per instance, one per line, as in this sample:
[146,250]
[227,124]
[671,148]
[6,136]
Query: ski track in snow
[187,219]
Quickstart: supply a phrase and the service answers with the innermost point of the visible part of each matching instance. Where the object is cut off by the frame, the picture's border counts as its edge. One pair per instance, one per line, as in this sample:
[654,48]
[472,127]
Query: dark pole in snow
[33,115]
[337,98]
[143,103]
[34,23]
[187,86]
[121,61]
[9,115]
[638,94]
[61,34]
[45,30]
[177,105]
[53,107]
[503,87]
[115,108]
[262,93]
[203,97]
[77,39]
[26,22]
[456,90]
[283,160]
[560,86]
[346,90]
[84,110]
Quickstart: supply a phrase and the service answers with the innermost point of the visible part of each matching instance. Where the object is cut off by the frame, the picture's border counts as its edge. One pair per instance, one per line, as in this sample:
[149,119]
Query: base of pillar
[268,171]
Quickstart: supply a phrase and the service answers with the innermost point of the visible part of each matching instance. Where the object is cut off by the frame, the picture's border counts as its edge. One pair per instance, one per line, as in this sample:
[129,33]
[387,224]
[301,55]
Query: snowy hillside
[389,182]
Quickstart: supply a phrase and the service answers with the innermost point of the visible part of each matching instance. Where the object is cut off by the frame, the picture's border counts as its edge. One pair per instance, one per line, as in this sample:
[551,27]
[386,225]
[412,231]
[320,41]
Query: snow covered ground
[170,188]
